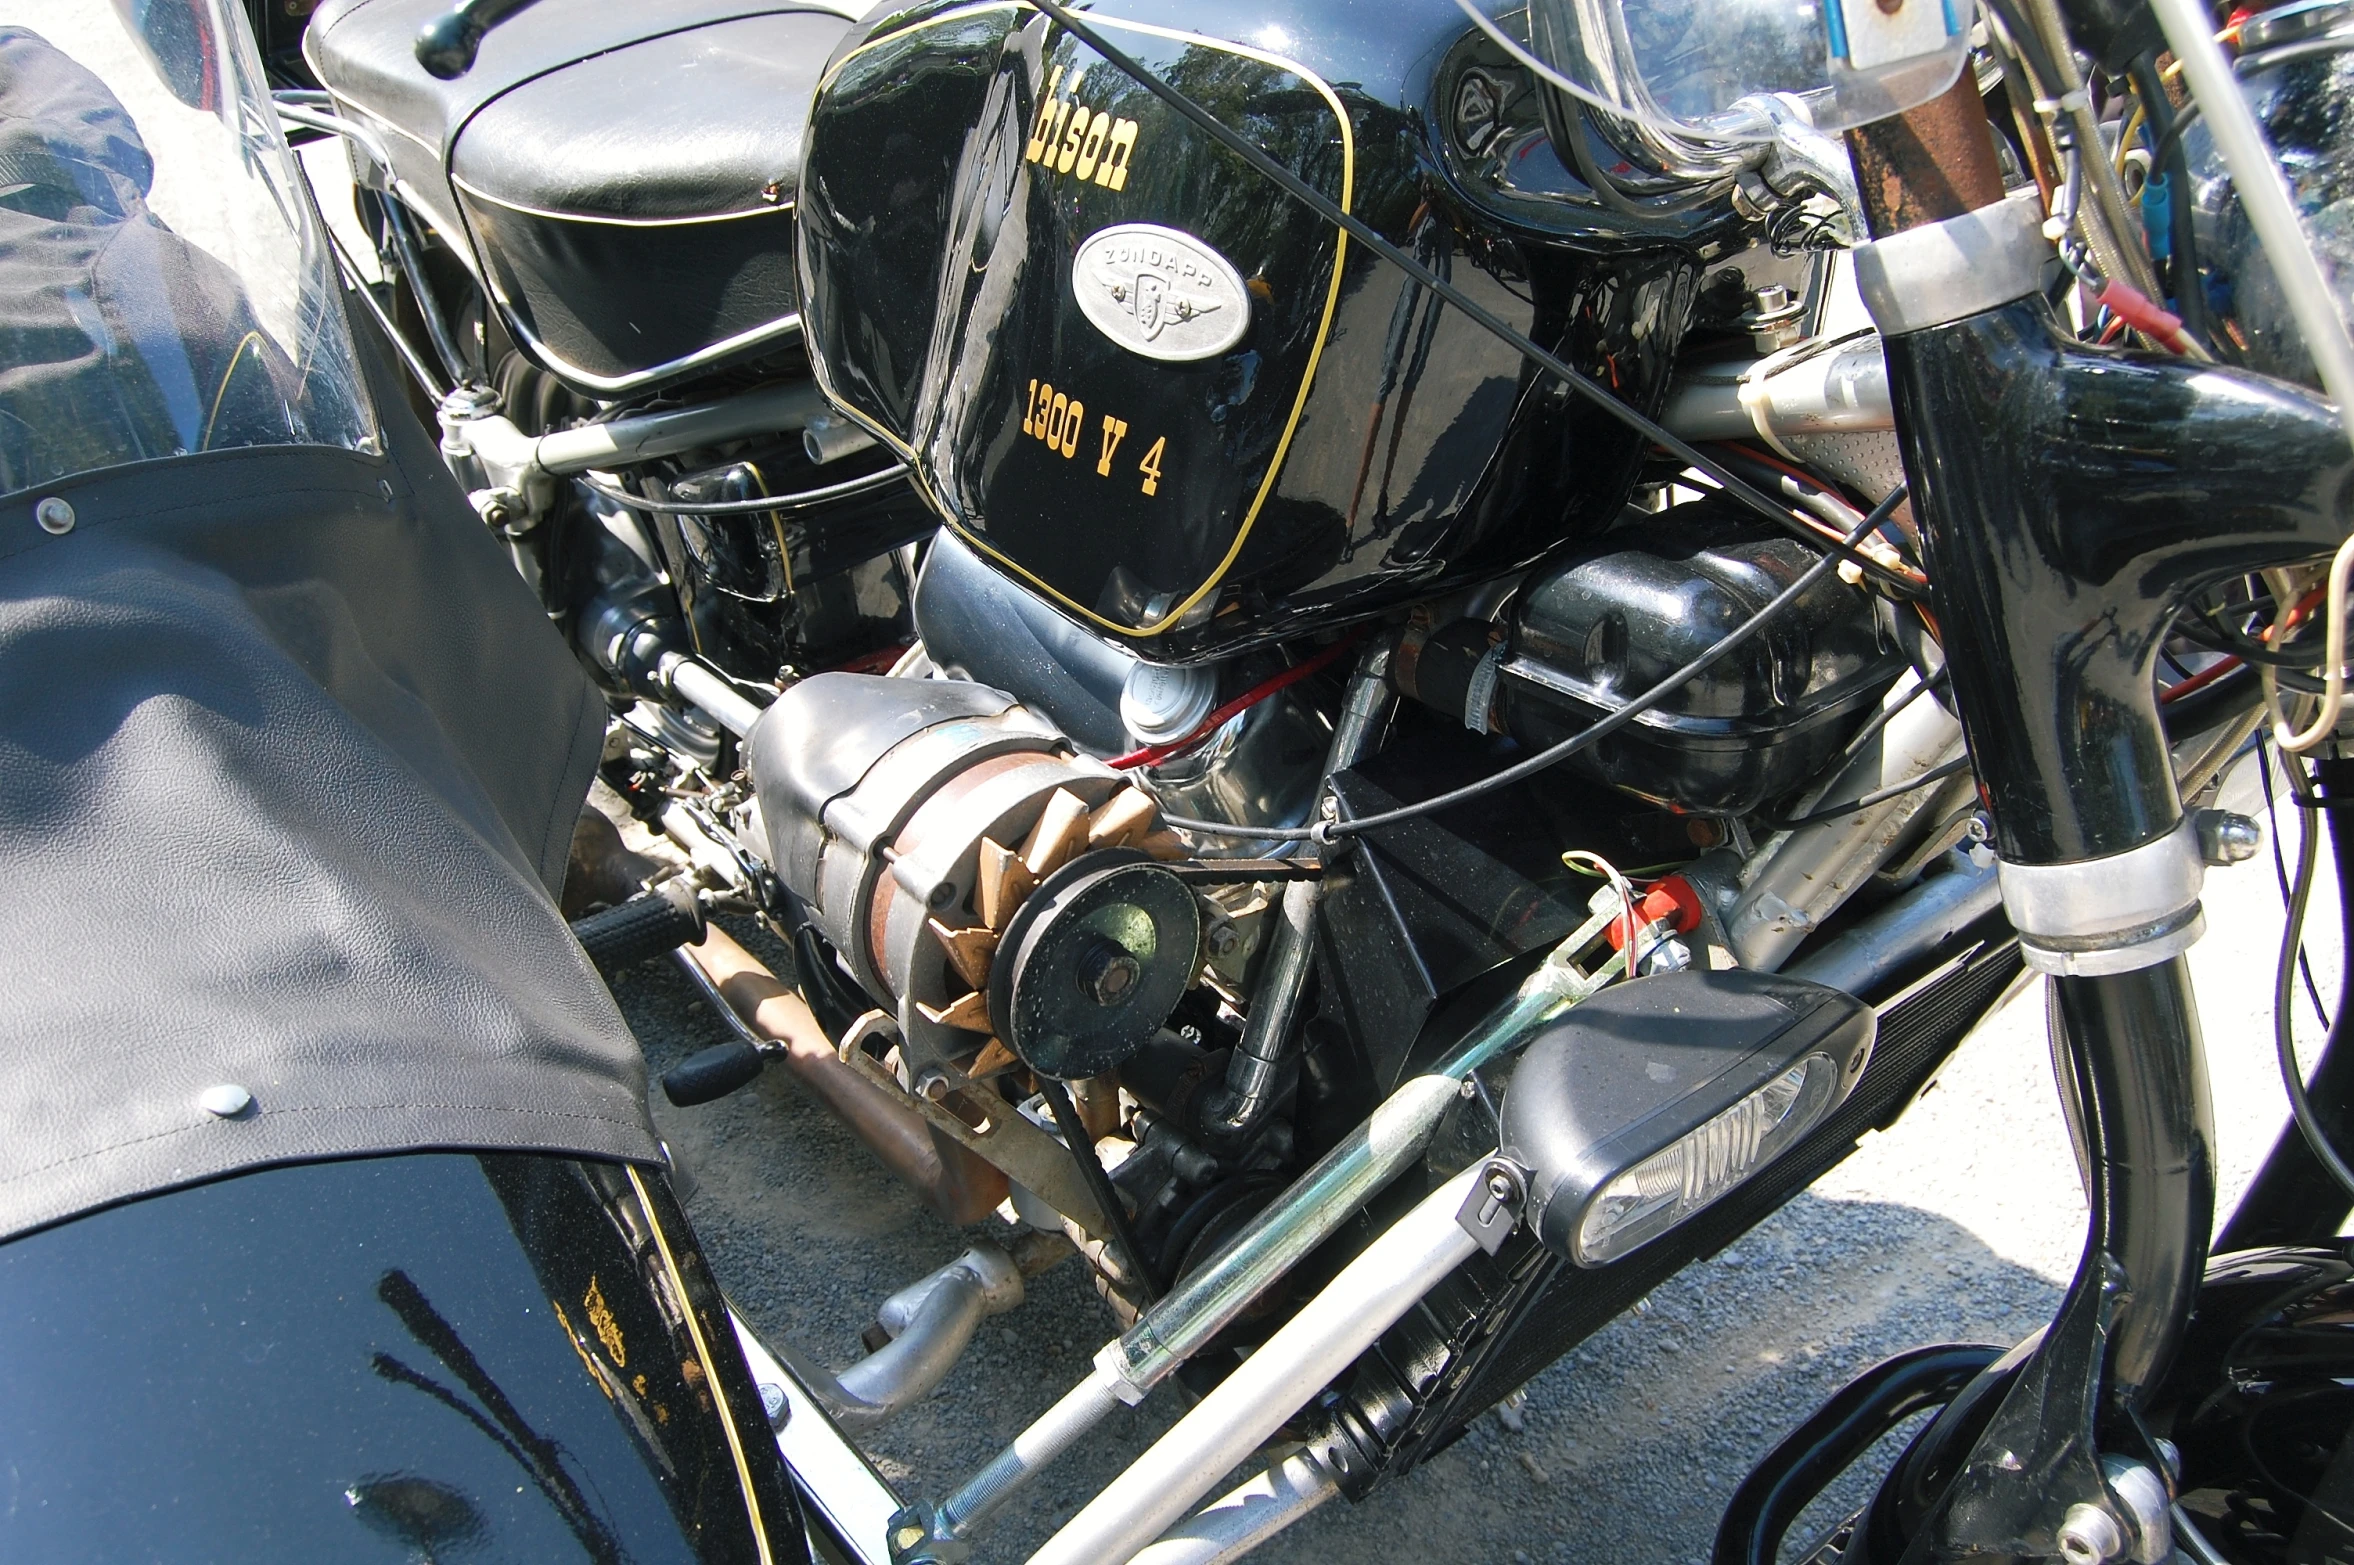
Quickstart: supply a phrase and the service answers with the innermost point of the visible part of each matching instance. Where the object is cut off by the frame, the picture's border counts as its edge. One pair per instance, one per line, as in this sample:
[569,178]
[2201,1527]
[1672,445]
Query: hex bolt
[2227,837]
[1775,320]
[2090,1536]
[1107,972]
[55,515]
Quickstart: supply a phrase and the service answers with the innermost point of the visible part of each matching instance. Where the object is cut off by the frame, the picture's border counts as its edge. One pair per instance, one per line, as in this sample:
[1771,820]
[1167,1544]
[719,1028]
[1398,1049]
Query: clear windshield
[163,285]
[1687,68]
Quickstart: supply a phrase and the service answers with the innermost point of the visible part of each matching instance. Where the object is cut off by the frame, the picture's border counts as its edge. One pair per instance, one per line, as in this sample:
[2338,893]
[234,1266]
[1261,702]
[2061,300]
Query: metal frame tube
[1306,1215]
[706,689]
[1251,1403]
[1049,1436]
[1246,1516]
[1803,876]
[1912,926]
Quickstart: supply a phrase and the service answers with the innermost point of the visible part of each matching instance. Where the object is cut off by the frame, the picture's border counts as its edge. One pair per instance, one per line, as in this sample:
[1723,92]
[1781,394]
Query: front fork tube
[2071,500]
[2131,1062]
[2140,1078]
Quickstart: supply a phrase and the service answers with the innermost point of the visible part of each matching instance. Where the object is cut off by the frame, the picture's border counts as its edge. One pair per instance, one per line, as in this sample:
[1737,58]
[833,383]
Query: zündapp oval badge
[1160,293]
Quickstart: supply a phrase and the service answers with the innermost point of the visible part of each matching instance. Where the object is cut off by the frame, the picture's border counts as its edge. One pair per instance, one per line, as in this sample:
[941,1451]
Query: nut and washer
[2090,1536]
[55,516]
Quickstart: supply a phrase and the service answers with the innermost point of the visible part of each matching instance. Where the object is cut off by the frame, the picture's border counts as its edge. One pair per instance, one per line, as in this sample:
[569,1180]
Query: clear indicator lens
[1647,1200]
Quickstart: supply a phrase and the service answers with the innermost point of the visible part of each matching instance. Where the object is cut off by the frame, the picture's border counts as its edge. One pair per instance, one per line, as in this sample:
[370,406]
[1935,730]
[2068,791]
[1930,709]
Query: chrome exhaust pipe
[931,1321]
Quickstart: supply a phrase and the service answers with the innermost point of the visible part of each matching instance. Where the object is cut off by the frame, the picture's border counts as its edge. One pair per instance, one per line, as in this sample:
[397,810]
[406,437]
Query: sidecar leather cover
[289,763]
[622,178]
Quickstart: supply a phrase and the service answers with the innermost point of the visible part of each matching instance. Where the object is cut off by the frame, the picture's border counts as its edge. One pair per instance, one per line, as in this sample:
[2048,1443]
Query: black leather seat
[620,174]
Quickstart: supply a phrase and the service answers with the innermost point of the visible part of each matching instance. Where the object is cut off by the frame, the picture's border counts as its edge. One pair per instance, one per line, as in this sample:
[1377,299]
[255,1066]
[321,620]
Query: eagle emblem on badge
[1160,292]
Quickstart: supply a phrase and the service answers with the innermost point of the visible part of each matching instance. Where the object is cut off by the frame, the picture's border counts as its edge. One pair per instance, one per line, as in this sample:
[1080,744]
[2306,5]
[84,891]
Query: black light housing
[1652,1099]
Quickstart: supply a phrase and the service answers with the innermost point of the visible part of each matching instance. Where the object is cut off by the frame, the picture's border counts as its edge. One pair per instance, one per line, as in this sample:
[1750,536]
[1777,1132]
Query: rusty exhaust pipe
[955,1183]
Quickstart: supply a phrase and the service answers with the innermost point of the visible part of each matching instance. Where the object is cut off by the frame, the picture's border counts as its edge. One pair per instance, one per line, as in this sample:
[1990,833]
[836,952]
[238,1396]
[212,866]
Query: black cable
[2294,659]
[1115,1216]
[2029,43]
[1885,715]
[799,500]
[1358,229]
[2280,868]
[1584,739]
[1832,812]
[2292,945]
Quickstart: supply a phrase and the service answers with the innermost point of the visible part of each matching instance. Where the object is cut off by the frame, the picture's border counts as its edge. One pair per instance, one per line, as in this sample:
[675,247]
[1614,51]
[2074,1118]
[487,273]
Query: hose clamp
[2107,915]
[1950,271]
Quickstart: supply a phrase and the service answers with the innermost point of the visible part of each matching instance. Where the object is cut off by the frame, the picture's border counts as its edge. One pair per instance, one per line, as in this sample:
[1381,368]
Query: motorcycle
[1391,683]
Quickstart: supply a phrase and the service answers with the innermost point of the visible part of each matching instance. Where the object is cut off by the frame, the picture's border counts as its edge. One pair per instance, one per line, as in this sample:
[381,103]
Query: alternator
[915,817]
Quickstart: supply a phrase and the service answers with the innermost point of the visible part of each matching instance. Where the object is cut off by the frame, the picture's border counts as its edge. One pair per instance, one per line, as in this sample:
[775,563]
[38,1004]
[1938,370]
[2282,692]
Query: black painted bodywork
[2079,496]
[2255,1404]
[1358,447]
[776,594]
[2260,1407]
[621,178]
[433,1356]
[1495,1322]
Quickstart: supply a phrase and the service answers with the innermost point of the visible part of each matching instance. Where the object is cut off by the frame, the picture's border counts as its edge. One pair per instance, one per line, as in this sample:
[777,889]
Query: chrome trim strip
[850,1498]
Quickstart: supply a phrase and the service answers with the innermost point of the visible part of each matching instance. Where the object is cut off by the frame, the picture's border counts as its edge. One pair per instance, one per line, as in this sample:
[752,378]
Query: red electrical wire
[1154,754]
[2214,671]
[2200,680]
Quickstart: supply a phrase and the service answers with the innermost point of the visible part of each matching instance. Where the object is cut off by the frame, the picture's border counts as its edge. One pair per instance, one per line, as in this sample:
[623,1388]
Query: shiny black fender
[430,1356]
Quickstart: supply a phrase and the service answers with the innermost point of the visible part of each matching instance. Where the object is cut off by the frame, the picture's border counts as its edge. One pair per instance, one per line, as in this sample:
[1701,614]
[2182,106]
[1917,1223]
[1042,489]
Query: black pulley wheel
[1094,963]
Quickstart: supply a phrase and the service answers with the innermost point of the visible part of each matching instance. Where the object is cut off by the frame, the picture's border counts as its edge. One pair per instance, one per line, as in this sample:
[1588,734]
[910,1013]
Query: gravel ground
[1961,1223]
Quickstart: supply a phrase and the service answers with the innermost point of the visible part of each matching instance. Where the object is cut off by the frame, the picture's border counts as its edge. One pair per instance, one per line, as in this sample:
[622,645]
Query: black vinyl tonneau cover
[289,762]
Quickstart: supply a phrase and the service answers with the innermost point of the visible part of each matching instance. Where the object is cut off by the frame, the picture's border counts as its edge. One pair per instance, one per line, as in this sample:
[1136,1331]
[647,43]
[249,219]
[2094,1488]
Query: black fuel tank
[1138,378]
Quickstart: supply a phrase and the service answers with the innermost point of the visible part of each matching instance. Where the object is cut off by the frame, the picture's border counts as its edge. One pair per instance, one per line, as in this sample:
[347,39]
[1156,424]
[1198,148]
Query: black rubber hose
[829,995]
